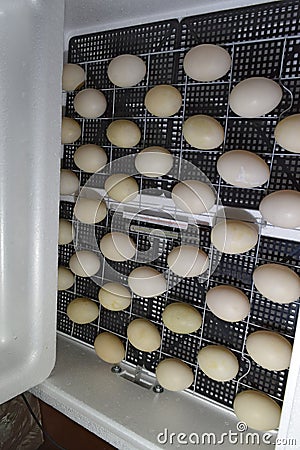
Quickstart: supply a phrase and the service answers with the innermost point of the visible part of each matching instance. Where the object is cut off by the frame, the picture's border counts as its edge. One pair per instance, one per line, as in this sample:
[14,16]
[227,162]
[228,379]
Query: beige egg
[243,169]
[206,62]
[287,133]
[117,246]
[82,310]
[90,210]
[181,318]
[121,187]
[70,130]
[234,236]
[65,232]
[277,283]
[73,77]
[163,100]
[257,410]
[126,70]
[188,261]
[174,375]
[154,161]
[255,97]
[109,348]
[114,296]
[123,133]
[65,278]
[90,158]
[228,303]
[84,263]
[218,362]
[143,335]
[203,132]
[147,282]
[69,183]
[193,196]
[90,103]
[282,208]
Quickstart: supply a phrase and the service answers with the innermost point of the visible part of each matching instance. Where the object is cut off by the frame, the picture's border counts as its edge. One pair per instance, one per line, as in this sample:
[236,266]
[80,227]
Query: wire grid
[267,34]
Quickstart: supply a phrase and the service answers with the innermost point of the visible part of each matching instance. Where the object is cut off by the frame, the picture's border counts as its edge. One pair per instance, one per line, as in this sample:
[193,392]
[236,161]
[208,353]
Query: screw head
[158,389]
[116,369]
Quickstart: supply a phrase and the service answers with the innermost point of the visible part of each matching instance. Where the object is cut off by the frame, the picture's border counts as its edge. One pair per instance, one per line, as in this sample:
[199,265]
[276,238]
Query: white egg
[163,100]
[228,303]
[282,208]
[114,296]
[69,183]
[90,103]
[123,133]
[65,278]
[84,263]
[70,130]
[181,318]
[234,236]
[121,187]
[90,158]
[193,196]
[154,161]
[126,70]
[206,62]
[255,97]
[147,282]
[143,335]
[257,410]
[73,77]
[203,132]
[287,133]
[65,232]
[218,362]
[82,310]
[277,283]
[90,210]
[109,348]
[243,169]
[117,246]
[174,375]
[188,261]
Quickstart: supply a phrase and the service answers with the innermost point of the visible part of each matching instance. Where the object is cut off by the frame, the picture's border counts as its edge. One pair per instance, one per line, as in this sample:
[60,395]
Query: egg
[123,133]
[65,232]
[70,130]
[193,196]
[174,375]
[65,278]
[73,77]
[257,410]
[255,97]
[69,183]
[126,70]
[181,318]
[109,348]
[287,133]
[82,310]
[90,158]
[84,263]
[234,236]
[114,296]
[218,362]
[243,169]
[121,187]
[206,62]
[282,208]
[277,283]
[90,103]
[203,132]
[117,246]
[147,282]
[228,303]
[90,210]
[163,100]
[153,162]
[143,335]
[187,261]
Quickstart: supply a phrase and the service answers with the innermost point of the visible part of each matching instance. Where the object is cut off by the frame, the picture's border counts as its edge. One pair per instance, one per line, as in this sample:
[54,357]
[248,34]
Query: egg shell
[181,318]
[193,196]
[69,183]
[143,335]
[154,162]
[82,310]
[228,303]
[89,210]
[218,362]
[90,158]
[84,263]
[70,130]
[73,77]
[203,132]
[121,187]
[206,62]
[114,296]
[65,232]
[147,282]
[257,410]
[282,208]
[187,261]
[254,97]
[109,348]
[287,133]
[123,133]
[90,103]
[163,100]
[65,278]
[126,70]
[174,375]
[277,283]
[234,236]
[117,246]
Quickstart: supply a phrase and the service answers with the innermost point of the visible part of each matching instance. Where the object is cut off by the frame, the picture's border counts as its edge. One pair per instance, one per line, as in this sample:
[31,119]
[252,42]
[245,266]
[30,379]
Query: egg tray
[268,35]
